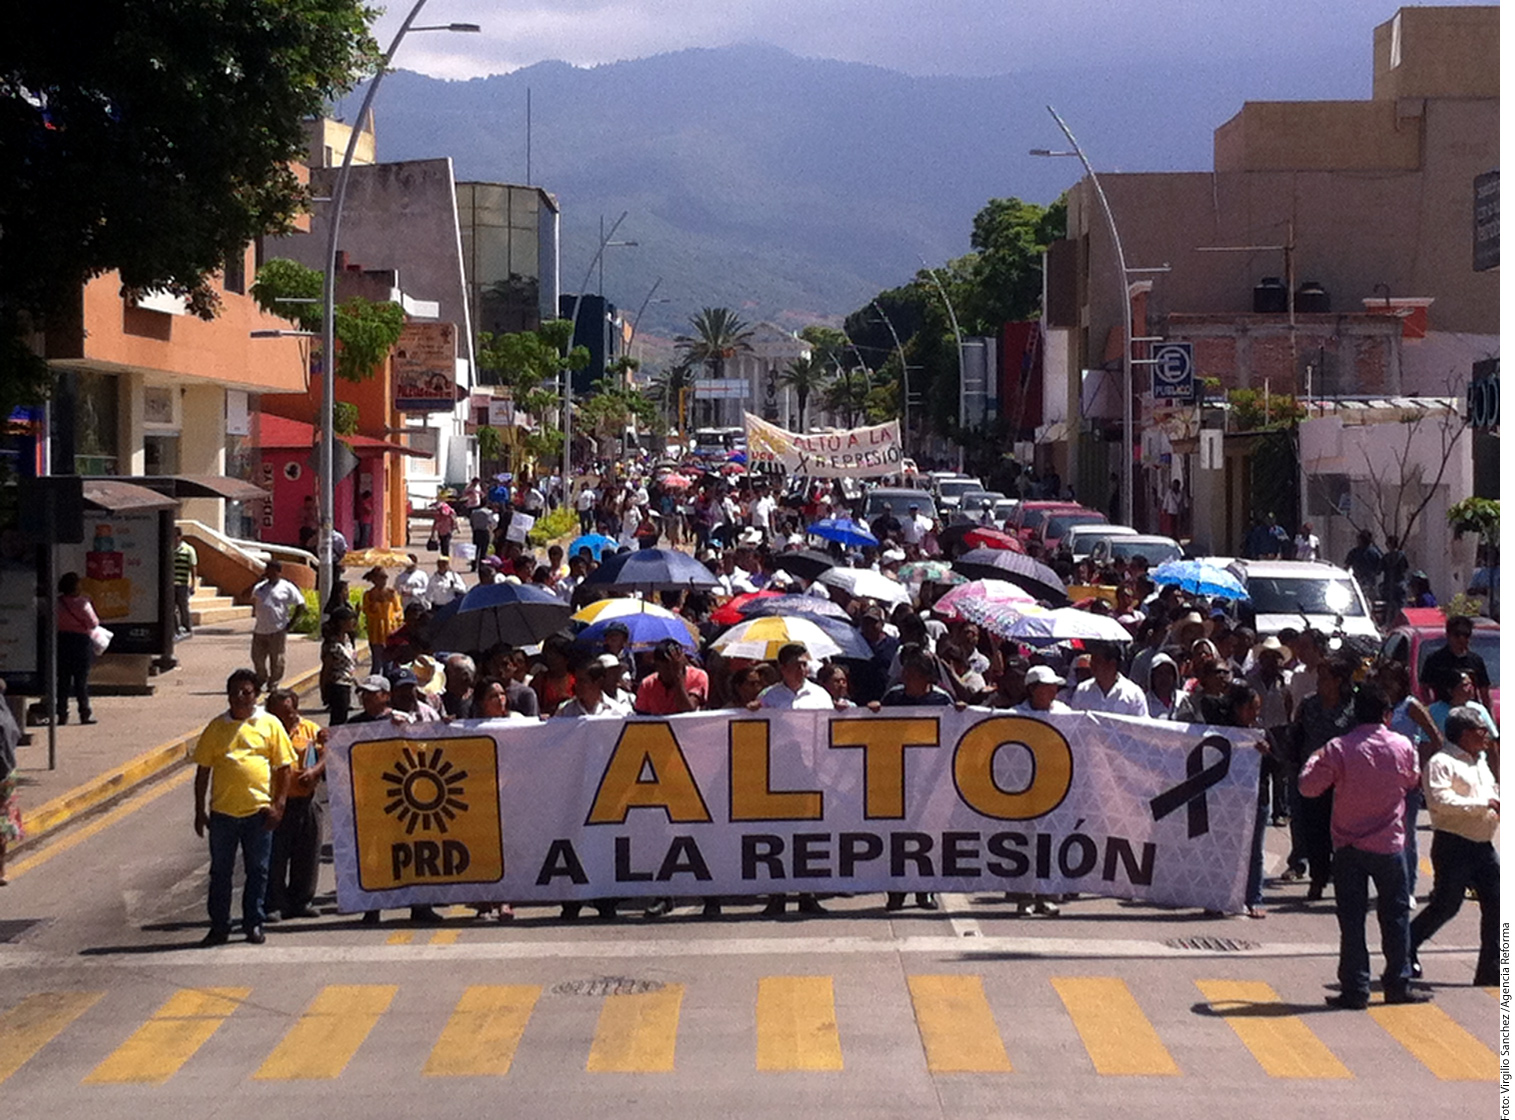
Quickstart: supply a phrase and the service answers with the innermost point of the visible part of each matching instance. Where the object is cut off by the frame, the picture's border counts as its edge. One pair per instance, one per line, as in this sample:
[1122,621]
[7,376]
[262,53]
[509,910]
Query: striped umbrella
[760,639]
[619,608]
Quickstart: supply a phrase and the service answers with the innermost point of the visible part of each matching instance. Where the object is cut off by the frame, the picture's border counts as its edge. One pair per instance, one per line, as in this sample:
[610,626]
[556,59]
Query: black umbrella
[652,569]
[806,605]
[806,563]
[1017,568]
[518,614]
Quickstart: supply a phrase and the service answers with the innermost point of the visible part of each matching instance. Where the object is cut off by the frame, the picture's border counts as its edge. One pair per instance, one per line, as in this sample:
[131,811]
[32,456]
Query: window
[1274,595]
[160,455]
[1396,42]
[234,276]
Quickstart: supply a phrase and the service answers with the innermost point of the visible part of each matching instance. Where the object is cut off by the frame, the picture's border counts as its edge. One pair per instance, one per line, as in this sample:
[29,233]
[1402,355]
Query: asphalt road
[106,1010]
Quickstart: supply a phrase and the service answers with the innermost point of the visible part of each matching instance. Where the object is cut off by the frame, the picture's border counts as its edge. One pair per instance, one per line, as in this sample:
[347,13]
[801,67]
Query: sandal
[1256,912]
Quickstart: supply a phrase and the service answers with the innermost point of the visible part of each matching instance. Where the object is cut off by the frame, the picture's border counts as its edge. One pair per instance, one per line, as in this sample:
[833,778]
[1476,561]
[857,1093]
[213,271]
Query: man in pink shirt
[674,685]
[1370,768]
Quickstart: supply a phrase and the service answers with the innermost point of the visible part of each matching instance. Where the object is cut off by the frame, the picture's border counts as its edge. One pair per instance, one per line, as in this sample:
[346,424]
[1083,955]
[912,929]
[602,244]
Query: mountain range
[795,189]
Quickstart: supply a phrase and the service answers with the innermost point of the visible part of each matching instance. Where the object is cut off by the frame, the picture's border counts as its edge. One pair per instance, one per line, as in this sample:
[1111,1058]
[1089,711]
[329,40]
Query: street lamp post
[958,334]
[1128,422]
[904,381]
[573,331]
[325,576]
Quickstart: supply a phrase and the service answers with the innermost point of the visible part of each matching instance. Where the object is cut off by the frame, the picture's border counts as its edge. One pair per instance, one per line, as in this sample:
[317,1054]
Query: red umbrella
[992,538]
[675,482]
[731,613]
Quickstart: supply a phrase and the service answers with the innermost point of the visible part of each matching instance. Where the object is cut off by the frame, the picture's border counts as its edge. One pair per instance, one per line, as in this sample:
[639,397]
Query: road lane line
[1437,1041]
[160,1047]
[1280,1042]
[325,1038]
[637,1033]
[79,835]
[796,1024]
[36,1021]
[485,1028]
[956,1025]
[1118,1036]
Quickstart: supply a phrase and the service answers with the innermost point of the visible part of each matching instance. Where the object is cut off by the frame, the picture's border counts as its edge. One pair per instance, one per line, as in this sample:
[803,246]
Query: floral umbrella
[931,571]
[992,591]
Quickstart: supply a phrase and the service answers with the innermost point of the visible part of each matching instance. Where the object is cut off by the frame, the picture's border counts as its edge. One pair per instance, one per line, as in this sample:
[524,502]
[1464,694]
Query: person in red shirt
[674,685]
[1370,769]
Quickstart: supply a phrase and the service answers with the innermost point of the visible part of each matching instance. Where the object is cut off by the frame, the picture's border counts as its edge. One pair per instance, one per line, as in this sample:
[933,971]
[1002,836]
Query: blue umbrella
[595,542]
[518,614]
[652,569]
[645,630]
[854,646]
[844,531]
[1200,578]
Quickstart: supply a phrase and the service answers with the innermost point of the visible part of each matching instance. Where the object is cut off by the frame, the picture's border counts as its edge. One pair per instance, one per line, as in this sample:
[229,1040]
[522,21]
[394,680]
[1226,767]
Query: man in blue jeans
[243,760]
[1370,768]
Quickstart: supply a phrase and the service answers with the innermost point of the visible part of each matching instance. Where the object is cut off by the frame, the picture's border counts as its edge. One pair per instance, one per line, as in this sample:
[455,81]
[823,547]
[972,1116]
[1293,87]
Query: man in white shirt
[584,503]
[445,585]
[1463,798]
[277,606]
[566,586]
[795,689]
[589,698]
[916,525]
[412,583]
[1042,683]
[1306,543]
[1108,690]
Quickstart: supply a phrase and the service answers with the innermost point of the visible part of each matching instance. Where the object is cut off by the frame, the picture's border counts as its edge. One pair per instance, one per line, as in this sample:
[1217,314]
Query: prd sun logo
[424,790]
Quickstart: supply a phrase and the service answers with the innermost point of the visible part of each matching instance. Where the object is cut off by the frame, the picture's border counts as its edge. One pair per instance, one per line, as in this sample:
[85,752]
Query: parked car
[1154,549]
[1080,540]
[949,491]
[976,506]
[1004,510]
[900,499]
[1301,593]
[1422,631]
[1057,524]
[1030,515]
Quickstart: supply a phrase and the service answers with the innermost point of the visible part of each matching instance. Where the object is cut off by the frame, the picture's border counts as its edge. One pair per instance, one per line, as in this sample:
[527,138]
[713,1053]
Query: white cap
[1042,674]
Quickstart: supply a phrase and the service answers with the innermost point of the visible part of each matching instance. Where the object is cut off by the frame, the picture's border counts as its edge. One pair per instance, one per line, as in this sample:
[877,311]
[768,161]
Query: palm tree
[805,376]
[667,388]
[718,335]
[848,394]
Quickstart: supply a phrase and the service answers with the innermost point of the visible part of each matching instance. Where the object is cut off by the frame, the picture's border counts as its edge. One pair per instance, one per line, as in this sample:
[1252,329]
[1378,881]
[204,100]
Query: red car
[1028,518]
[1423,630]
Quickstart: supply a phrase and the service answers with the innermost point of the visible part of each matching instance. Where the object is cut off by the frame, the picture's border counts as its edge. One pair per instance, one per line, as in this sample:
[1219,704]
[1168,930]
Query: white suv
[1298,593]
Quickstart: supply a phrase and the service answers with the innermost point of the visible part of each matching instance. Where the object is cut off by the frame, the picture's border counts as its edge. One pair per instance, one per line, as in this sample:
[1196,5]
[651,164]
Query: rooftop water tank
[1270,296]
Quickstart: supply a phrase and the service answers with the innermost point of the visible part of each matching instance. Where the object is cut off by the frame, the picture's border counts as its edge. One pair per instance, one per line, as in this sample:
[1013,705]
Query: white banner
[740,804]
[853,453]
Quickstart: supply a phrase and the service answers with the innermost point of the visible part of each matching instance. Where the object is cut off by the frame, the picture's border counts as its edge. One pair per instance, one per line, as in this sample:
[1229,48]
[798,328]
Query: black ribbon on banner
[1191,791]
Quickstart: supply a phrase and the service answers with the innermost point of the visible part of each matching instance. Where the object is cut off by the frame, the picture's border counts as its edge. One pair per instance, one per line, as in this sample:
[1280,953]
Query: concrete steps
[207,606]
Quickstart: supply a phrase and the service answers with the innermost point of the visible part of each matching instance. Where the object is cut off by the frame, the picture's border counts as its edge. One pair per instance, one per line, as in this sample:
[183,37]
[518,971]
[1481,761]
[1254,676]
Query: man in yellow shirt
[243,760]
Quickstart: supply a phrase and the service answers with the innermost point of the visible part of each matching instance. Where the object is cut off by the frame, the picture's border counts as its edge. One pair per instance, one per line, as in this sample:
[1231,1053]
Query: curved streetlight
[904,380]
[1128,423]
[958,334]
[573,331]
[328,307]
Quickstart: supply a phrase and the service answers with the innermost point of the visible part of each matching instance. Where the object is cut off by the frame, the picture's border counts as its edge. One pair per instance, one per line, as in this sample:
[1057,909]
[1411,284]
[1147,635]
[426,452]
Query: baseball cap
[374,682]
[1042,674]
[402,677]
[618,627]
[607,661]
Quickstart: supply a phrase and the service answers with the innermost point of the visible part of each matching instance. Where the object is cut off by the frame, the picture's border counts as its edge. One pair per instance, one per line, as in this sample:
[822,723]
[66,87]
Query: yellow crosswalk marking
[445,937]
[1424,863]
[637,1033]
[400,937]
[1441,1045]
[796,1024]
[1118,1037]
[481,1037]
[36,1021]
[1280,1042]
[957,1028]
[323,1041]
[158,1048]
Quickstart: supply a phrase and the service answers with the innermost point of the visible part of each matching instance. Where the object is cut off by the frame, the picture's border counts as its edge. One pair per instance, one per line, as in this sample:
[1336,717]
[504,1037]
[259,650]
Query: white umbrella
[1063,625]
[865,583]
[760,639]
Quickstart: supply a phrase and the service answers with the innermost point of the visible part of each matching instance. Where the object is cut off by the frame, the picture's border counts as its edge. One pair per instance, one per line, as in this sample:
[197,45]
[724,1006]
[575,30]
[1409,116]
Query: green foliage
[718,335]
[344,418]
[552,525]
[1005,275]
[1252,411]
[666,388]
[1475,515]
[612,407]
[530,364]
[156,140]
[490,443]
[847,395]
[805,376]
[366,331]
[828,345]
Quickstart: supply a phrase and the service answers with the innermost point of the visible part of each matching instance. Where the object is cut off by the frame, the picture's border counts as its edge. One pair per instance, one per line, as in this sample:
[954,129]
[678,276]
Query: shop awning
[202,486]
[115,496]
[278,433]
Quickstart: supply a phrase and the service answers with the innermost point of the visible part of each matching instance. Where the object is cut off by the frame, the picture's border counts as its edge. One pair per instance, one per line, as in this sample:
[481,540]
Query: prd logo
[426,811]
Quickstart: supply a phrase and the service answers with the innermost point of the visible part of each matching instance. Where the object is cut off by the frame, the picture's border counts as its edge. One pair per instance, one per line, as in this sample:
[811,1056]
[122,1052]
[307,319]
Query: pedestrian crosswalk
[963,1023]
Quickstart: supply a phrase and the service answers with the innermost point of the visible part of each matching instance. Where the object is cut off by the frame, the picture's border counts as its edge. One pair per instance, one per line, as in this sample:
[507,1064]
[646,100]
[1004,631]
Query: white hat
[892,556]
[750,537]
[1042,674]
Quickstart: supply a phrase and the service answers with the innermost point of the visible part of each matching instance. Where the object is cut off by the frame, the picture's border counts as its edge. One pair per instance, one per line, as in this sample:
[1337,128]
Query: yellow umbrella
[760,639]
[376,558]
[616,608]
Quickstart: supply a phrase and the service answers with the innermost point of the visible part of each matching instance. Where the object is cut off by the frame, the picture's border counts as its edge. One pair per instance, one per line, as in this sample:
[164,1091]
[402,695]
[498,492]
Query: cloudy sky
[962,37]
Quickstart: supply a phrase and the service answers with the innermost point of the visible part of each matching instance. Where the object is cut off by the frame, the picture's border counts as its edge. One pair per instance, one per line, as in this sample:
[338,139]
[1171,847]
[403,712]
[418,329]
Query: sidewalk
[141,738]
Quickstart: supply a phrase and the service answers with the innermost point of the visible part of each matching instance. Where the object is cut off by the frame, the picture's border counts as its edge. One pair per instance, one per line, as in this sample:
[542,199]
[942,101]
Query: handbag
[432,544]
[100,639]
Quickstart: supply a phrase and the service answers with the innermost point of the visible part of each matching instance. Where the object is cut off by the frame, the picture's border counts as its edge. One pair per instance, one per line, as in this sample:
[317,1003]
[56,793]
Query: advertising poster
[425,364]
[118,568]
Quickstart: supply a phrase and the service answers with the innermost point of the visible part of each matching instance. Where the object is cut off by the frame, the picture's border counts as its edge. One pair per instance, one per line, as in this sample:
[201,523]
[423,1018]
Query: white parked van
[1298,593]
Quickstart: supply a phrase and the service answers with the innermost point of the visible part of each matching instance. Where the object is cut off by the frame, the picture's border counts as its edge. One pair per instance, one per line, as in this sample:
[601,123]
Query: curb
[116,784]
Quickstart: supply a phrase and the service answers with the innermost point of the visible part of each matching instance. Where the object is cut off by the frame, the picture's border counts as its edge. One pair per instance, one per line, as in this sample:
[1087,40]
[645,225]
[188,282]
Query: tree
[366,331]
[612,407]
[805,376]
[718,335]
[847,395]
[668,389]
[531,365]
[155,140]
